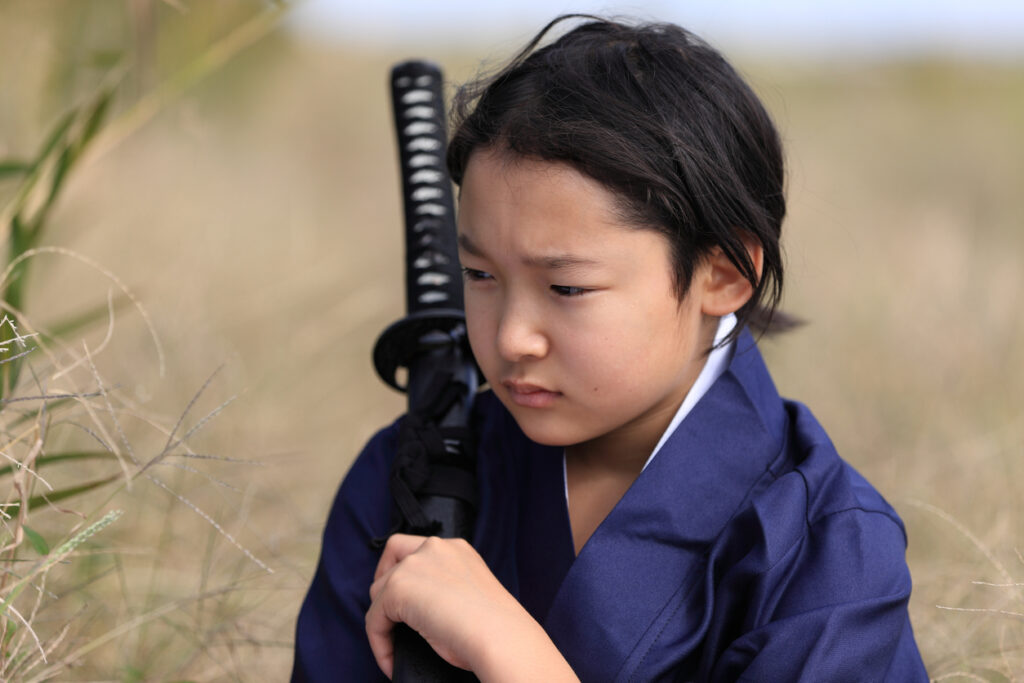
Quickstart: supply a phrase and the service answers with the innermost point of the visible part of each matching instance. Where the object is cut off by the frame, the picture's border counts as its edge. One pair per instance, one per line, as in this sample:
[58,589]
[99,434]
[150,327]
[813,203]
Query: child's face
[572,314]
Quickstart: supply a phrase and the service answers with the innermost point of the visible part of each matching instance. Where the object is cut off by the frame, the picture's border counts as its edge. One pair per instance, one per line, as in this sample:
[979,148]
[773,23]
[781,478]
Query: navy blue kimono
[746,550]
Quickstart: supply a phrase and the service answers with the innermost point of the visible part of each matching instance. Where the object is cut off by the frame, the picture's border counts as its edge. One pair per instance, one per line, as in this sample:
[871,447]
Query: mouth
[530,395]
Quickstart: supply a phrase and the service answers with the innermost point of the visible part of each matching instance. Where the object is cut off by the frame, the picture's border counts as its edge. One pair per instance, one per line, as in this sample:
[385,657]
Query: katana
[433,480]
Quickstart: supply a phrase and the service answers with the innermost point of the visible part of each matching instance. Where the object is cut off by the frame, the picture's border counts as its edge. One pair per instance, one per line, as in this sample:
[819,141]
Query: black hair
[660,119]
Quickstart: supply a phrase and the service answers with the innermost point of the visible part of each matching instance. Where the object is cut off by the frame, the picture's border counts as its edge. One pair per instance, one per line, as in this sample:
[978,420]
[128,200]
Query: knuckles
[419,564]
[434,543]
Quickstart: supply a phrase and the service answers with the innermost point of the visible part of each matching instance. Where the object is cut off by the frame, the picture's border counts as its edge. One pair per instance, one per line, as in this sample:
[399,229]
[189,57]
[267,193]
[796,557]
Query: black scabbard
[433,482]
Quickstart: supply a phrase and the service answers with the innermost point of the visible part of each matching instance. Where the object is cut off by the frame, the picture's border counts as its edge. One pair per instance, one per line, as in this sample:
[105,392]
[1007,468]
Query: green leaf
[105,59]
[46,460]
[67,158]
[133,674]
[35,170]
[55,137]
[62,494]
[13,167]
[37,541]
[12,628]
[96,116]
[52,407]
[61,552]
[64,162]
[76,323]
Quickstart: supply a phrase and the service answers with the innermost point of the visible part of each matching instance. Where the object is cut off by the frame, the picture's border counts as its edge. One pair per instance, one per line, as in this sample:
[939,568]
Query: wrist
[521,652]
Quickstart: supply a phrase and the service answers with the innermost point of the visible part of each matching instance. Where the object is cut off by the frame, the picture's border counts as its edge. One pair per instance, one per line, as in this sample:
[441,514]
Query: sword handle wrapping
[433,277]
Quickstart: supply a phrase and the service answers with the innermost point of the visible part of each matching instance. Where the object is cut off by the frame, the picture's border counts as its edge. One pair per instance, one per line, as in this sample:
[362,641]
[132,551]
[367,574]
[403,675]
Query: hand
[443,589]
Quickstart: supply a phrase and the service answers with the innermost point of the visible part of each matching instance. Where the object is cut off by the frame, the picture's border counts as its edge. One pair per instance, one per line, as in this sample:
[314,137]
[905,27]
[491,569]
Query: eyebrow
[552,262]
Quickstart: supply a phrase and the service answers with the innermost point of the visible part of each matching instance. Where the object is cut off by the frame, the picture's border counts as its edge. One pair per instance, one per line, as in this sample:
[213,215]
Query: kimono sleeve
[330,639]
[833,608]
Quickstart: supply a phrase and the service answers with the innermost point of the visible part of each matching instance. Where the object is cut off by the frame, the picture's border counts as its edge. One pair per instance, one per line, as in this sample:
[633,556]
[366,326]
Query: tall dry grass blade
[221,458]
[73,491]
[202,422]
[110,444]
[998,585]
[101,346]
[41,591]
[214,480]
[985,610]
[53,645]
[207,63]
[106,273]
[11,359]
[212,522]
[188,407]
[28,627]
[58,555]
[67,327]
[113,418]
[91,433]
[128,626]
[71,658]
[17,466]
[49,397]
[23,488]
[965,532]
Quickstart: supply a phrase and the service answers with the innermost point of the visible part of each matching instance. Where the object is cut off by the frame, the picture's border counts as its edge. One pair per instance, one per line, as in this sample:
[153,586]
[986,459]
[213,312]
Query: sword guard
[416,334]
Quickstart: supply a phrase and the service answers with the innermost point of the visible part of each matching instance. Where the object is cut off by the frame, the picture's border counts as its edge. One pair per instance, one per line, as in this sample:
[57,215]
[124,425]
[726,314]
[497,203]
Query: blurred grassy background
[257,216]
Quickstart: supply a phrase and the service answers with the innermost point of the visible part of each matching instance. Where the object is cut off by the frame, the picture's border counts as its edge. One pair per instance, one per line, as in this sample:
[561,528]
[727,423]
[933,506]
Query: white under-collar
[717,362]
[714,366]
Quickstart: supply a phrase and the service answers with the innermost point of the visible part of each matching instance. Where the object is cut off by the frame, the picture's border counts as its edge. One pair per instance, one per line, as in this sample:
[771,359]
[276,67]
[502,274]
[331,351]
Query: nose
[520,333]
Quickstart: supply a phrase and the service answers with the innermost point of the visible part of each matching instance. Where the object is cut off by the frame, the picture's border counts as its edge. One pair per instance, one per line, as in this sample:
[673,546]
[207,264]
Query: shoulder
[832,485]
[818,531]
[812,576]
[828,489]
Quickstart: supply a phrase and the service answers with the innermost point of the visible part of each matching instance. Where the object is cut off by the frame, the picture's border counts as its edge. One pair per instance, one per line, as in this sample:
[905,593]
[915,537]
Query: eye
[565,290]
[474,275]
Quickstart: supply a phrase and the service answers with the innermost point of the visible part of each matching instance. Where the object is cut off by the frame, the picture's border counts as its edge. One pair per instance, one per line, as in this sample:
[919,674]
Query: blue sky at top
[993,28]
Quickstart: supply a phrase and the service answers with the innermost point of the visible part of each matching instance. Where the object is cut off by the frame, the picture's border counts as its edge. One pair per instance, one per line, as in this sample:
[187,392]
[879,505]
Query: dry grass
[258,218]
[904,252]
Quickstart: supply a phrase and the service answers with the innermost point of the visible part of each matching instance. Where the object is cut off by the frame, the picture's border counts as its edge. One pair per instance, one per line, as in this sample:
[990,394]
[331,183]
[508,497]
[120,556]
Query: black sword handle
[433,277]
[430,341]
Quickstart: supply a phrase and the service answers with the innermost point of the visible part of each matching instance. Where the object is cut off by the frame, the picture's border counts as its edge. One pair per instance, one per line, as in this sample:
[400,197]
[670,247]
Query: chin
[544,429]
[545,439]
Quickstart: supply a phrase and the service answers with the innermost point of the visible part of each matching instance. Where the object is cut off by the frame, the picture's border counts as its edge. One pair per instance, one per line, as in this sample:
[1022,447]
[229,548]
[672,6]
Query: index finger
[398,547]
[378,632]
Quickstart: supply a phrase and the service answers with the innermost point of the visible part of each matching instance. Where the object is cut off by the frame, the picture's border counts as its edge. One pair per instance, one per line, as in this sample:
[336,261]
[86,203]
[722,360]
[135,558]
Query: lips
[530,395]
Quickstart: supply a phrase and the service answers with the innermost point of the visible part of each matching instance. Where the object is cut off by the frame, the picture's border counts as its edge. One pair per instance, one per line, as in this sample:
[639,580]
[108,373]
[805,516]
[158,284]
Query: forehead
[540,201]
[499,172]
[551,218]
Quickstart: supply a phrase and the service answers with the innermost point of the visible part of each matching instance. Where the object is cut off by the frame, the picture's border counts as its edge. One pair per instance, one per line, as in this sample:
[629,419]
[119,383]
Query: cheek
[480,327]
[623,351]
[604,351]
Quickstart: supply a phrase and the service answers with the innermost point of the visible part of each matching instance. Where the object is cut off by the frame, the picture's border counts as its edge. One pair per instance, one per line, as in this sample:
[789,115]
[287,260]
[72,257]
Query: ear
[725,289]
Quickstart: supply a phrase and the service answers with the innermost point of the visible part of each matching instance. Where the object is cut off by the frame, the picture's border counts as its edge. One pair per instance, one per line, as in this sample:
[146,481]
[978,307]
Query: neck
[624,452]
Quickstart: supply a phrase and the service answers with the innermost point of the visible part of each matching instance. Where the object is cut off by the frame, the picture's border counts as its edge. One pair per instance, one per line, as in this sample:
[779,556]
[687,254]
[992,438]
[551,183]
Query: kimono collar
[650,551]
[716,364]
